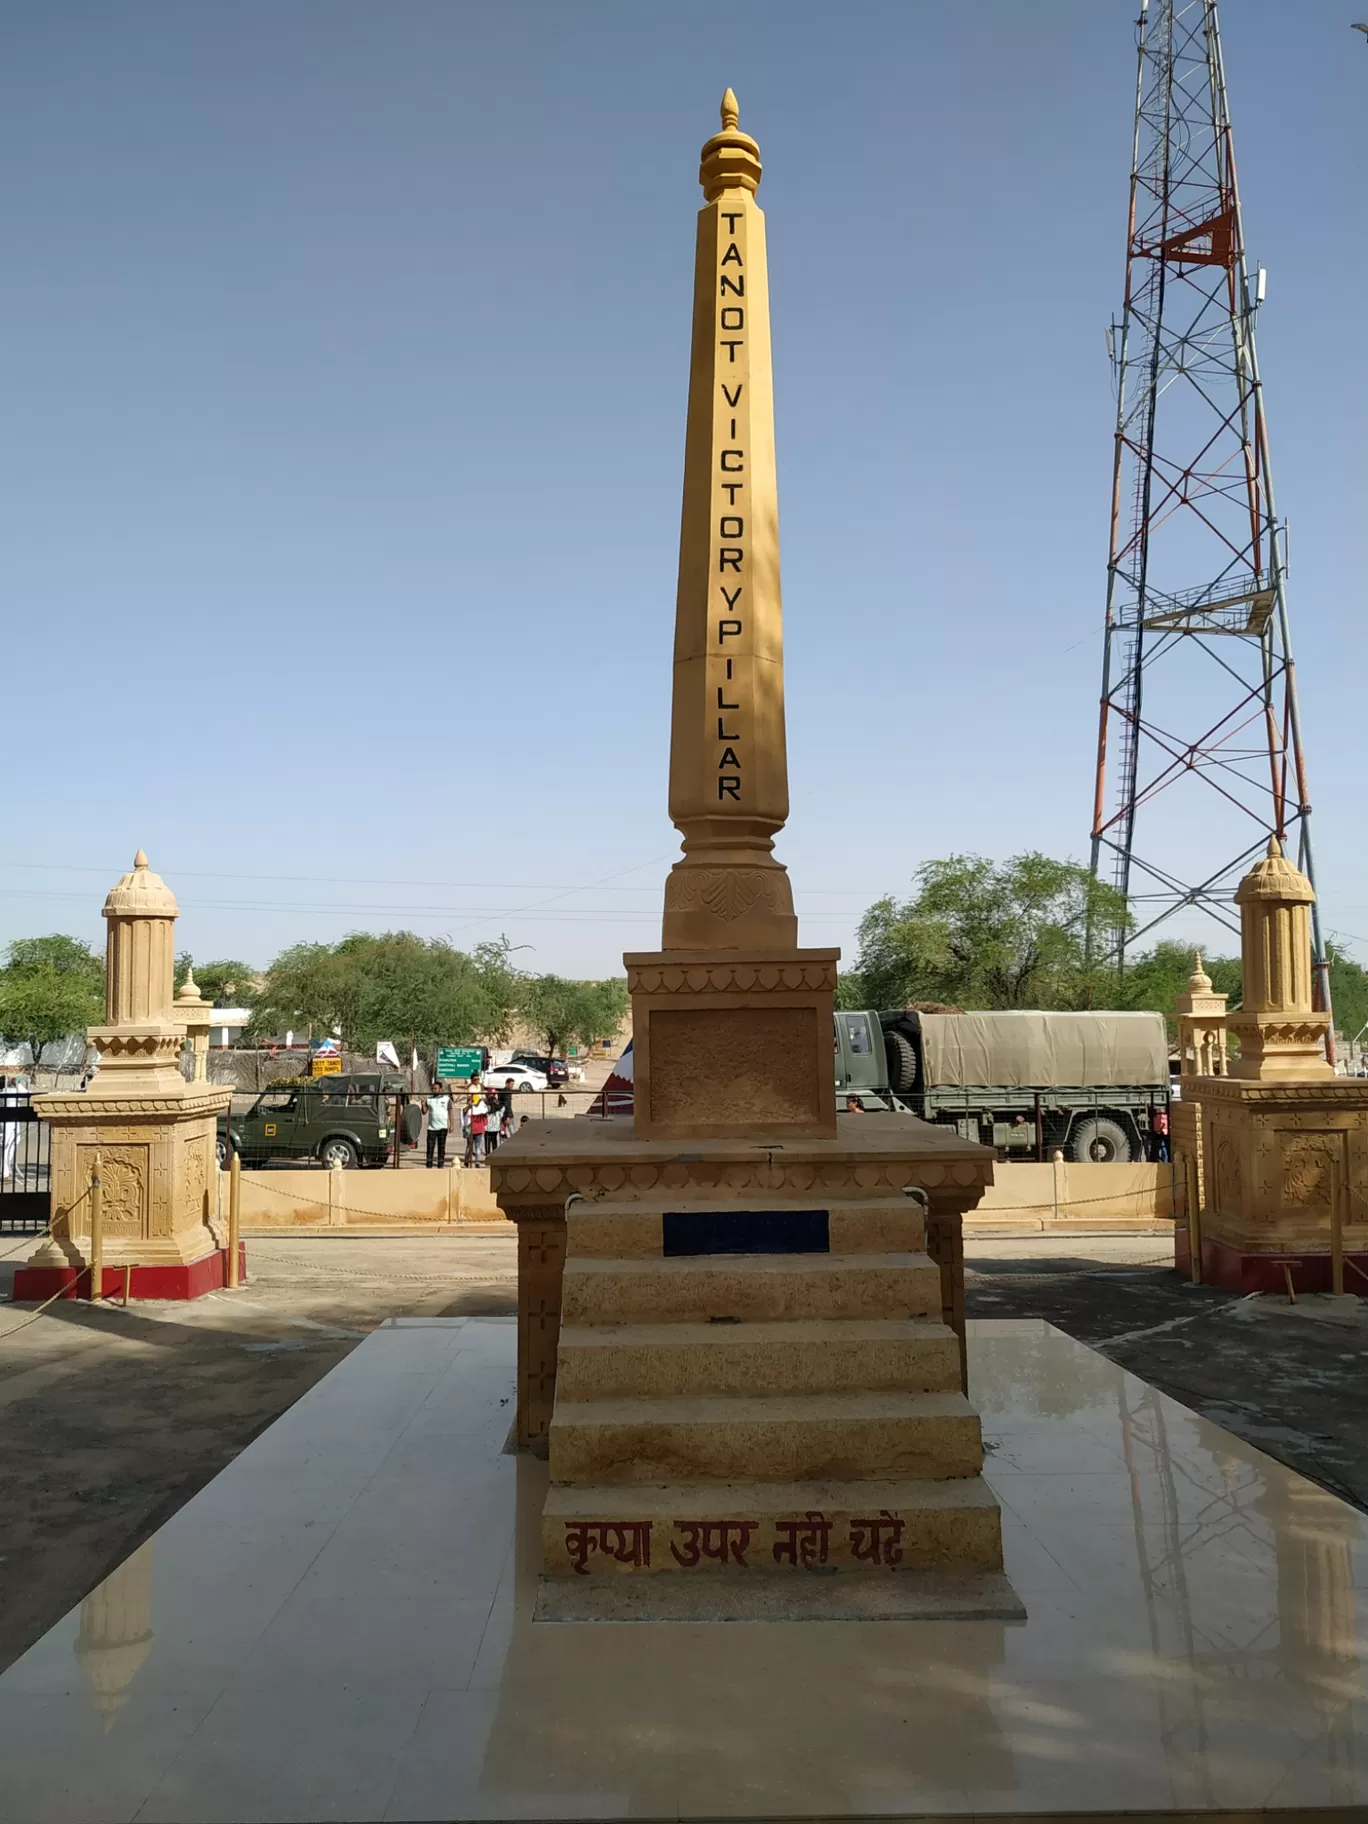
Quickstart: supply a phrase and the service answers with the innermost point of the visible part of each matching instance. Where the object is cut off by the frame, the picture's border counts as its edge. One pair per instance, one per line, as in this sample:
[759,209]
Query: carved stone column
[195,1015]
[1280,1036]
[149,1133]
[1284,1141]
[1202,1053]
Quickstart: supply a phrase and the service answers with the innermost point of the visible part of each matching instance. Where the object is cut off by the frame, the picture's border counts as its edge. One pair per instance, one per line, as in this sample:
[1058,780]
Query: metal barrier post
[234,1216]
[96,1234]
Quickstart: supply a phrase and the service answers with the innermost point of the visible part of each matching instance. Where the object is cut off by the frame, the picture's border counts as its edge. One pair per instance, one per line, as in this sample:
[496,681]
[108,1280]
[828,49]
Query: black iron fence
[25,1159]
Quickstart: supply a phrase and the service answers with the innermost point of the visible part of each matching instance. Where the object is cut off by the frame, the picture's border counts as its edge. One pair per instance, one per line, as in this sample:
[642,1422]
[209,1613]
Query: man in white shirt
[438,1122]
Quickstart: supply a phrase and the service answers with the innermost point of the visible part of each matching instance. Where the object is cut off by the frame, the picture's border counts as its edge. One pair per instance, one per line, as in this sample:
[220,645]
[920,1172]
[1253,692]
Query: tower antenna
[1199,751]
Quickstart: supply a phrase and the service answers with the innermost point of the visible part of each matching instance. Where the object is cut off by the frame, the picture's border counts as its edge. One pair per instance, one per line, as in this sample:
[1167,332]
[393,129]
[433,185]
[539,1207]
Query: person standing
[1159,1135]
[479,1127]
[438,1122]
[10,1097]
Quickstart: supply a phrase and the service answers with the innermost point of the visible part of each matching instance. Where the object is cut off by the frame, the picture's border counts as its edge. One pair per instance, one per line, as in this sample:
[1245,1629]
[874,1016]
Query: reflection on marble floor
[339,1627]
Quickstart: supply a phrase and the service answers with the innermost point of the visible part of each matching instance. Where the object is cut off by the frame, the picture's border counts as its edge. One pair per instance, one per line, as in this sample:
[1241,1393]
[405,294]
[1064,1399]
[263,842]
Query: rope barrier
[67,1291]
[1070,1203]
[319,1204]
[46,1234]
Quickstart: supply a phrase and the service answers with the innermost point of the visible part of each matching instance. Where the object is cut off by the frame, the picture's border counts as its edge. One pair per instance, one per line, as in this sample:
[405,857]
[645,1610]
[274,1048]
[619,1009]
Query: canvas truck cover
[1041,1050]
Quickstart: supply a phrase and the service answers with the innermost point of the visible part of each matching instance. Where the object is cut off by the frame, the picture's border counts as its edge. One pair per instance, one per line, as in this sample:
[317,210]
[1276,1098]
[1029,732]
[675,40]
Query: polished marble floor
[339,1627]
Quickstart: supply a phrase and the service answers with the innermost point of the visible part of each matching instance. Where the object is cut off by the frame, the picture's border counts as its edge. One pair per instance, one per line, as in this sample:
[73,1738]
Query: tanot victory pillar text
[728,764]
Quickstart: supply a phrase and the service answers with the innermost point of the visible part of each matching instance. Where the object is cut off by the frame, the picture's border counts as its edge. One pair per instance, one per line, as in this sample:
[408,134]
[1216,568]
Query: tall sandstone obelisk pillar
[731,1021]
[740,1316]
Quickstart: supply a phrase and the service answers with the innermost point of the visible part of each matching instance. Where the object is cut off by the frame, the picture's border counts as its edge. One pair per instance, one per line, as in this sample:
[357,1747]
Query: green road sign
[458,1060]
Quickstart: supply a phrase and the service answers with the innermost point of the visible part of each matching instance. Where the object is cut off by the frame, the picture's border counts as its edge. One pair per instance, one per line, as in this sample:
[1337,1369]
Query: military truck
[1027,1084]
[339,1120]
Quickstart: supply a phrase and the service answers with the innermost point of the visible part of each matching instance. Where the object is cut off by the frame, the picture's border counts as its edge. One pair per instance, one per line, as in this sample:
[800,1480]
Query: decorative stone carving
[1286,1140]
[1309,1174]
[1280,1035]
[196,1177]
[123,1178]
[152,1131]
[727,893]
[725,976]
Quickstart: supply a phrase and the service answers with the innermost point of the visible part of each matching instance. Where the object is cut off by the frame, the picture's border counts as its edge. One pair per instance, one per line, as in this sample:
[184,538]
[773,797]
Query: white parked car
[524,1077]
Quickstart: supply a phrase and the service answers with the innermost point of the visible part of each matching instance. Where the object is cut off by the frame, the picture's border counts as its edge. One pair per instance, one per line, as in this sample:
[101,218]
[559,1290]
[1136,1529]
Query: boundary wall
[1061,1197]
[413,1198]
[1025,1199]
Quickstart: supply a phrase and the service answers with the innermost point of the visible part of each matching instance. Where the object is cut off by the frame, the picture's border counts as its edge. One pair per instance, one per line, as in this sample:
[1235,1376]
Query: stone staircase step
[608,1530]
[749,1286]
[760,1597]
[778,1438]
[610,1230]
[807,1355]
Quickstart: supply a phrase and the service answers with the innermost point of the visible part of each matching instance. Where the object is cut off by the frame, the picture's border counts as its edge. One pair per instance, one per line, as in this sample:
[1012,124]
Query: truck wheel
[1100,1139]
[902,1061]
[337,1151]
[223,1148]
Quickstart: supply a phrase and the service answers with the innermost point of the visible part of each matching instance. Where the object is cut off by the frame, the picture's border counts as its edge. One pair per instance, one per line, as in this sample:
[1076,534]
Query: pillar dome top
[731,158]
[1199,982]
[1275,878]
[189,994]
[141,894]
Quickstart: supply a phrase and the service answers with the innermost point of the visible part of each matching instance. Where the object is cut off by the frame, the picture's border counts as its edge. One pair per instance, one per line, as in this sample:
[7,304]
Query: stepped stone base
[603,1163]
[775,1527]
[759,1405]
[912,1596]
[808,1355]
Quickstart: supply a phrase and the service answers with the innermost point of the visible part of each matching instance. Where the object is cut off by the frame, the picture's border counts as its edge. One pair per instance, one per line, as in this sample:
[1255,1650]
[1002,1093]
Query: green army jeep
[336,1120]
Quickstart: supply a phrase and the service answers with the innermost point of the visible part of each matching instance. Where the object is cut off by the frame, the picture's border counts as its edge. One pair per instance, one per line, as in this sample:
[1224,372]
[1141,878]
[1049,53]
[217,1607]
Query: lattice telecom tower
[1199,754]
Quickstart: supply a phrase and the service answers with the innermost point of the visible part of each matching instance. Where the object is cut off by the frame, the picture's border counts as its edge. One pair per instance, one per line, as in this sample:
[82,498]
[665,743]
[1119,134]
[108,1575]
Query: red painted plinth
[209,1274]
[1235,1271]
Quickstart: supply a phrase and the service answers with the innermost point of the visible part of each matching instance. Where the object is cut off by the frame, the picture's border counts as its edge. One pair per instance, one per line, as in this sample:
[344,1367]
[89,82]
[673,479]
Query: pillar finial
[140,859]
[731,158]
[1281,1034]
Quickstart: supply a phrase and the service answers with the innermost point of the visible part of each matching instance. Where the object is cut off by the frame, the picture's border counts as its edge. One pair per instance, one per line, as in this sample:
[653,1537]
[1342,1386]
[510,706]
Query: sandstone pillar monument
[1283,1185]
[740,1315]
[731,1021]
[148,1132]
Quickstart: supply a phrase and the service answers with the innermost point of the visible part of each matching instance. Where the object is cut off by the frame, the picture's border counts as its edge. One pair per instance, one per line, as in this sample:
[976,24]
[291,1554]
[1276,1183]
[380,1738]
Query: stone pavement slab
[340,1626]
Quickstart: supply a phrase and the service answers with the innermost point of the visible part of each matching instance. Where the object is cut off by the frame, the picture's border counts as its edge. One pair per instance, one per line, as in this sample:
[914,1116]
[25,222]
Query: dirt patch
[113,1419]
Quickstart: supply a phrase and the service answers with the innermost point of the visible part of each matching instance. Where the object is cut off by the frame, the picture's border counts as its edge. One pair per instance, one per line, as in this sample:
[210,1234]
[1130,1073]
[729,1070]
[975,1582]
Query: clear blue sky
[344,354]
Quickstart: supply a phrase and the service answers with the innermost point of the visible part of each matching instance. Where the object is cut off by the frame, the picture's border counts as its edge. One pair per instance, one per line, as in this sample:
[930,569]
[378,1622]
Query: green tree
[561,1010]
[223,984]
[982,934]
[50,988]
[392,985]
[850,990]
[1348,991]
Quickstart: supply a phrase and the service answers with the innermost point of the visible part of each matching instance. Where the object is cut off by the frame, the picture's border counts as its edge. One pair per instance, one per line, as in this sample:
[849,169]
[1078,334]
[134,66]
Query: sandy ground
[112,1419]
